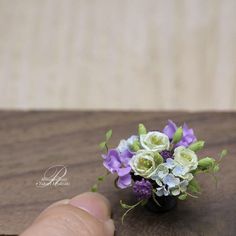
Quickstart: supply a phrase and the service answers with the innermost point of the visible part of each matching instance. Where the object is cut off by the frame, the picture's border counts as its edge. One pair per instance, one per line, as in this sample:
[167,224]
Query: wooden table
[31,142]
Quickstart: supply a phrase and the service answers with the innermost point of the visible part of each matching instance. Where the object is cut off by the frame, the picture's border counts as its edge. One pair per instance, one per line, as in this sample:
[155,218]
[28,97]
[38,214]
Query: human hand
[87,214]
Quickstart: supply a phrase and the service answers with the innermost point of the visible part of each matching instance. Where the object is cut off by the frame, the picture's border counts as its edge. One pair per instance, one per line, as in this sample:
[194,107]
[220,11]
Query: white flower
[162,191]
[144,163]
[187,176]
[170,163]
[171,181]
[126,144]
[132,139]
[186,158]
[123,146]
[182,187]
[180,170]
[155,141]
[160,173]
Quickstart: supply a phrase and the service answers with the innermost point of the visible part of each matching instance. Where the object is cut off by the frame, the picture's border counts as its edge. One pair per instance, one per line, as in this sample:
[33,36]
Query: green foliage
[223,154]
[100,179]
[194,186]
[216,168]
[94,188]
[141,129]
[182,196]
[103,145]
[178,135]
[130,207]
[206,163]
[144,202]
[197,146]
[108,134]
[210,166]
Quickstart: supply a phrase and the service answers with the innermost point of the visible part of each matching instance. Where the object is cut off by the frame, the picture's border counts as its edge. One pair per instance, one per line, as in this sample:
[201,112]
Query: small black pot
[167,203]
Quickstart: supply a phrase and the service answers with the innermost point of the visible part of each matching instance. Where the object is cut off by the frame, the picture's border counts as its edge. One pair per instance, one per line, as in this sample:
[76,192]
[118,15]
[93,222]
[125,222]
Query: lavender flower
[142,189]
[188,134]
[117,162]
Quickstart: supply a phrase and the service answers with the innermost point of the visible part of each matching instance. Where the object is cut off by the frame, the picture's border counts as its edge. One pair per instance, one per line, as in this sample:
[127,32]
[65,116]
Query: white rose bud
[155,141]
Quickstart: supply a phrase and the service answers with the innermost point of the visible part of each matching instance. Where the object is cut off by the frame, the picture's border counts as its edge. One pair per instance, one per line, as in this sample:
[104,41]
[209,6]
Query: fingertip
[93,203]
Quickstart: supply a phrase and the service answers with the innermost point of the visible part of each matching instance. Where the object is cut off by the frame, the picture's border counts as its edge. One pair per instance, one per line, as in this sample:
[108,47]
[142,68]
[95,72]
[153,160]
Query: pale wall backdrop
[123,54]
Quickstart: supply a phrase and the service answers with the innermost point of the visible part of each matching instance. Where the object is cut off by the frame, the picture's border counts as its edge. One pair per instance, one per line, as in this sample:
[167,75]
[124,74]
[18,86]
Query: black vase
[166,203]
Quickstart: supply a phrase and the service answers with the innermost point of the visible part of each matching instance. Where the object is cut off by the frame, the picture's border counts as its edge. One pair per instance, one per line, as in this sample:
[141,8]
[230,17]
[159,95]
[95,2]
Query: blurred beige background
[123,54]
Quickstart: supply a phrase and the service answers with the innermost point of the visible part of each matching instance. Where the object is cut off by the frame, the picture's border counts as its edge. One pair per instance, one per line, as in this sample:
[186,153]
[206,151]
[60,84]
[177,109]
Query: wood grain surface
[31,142]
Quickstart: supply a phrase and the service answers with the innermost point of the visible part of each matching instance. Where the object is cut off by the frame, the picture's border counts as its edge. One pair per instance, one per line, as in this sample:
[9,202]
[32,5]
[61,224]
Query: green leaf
[94,188]
[102,145]
[141,129]
[182,196]
[223,153]
[194,186]
[197,146]
[178,135]
[108,134]
[101,178]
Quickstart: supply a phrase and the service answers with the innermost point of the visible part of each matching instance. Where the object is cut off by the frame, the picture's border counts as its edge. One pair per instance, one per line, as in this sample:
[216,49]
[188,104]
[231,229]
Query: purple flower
[142,189]
[166,154]
[117,162]
[188,134]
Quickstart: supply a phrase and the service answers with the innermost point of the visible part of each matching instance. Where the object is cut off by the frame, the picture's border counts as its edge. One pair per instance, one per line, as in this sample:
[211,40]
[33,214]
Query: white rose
[144,163]
[126,144]
[186,158]
[155,141]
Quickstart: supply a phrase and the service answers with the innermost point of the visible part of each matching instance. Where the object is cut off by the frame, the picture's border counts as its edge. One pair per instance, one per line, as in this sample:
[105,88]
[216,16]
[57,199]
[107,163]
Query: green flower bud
[178,135]
[158,158]
[142,129]
[206,163]
[197,146]
[135,146]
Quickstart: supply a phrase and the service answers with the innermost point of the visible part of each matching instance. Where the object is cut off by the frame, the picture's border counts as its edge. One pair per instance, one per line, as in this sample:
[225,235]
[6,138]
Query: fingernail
[94,203]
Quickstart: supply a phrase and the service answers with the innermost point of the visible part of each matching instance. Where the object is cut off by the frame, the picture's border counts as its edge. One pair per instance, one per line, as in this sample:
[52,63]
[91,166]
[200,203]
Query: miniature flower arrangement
[159,166]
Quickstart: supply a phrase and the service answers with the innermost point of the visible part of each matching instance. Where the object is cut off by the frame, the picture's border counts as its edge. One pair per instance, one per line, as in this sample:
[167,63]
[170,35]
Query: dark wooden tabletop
[31,142]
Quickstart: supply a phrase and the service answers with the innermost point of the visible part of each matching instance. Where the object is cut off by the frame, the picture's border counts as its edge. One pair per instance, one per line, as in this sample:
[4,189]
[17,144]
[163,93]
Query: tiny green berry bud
[178,135]
[142,129]
[206,163]
[197,146]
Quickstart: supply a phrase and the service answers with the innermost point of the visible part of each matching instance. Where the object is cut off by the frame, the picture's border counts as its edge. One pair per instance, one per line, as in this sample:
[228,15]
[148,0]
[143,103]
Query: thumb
[87,214]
